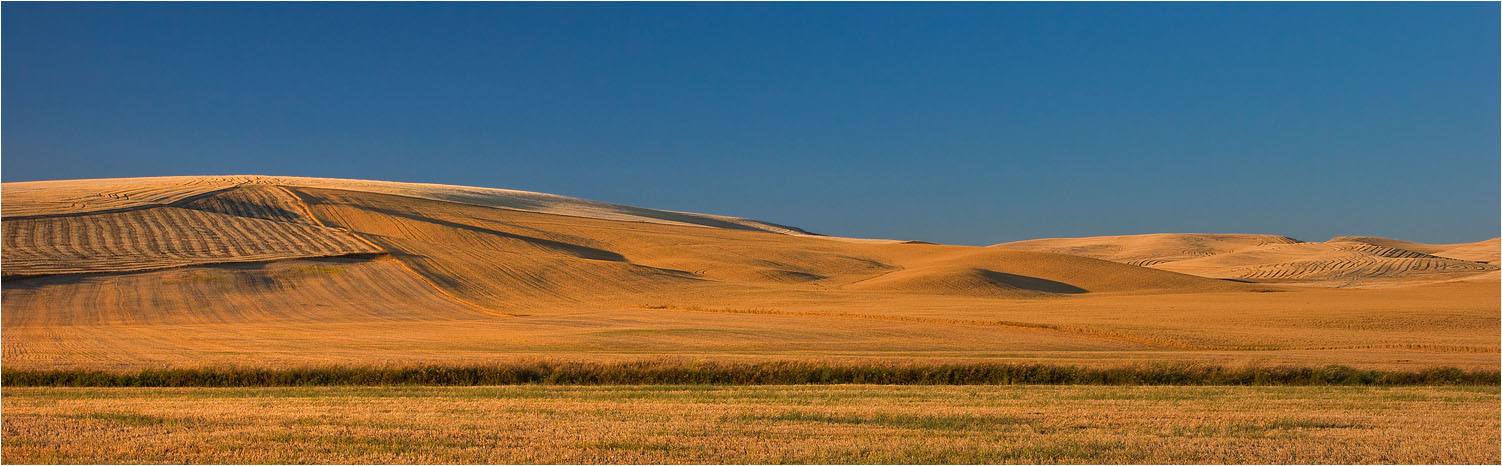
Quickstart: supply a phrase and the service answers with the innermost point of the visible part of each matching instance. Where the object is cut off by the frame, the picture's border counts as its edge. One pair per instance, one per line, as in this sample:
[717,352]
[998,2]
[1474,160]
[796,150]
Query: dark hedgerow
[770,373]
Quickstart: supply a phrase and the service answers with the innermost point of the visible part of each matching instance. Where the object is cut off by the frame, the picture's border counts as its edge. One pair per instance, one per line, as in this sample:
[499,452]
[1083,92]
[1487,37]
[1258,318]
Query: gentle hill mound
[283,271]
[1348,262]
[69,197]
[1148,249]
[1000,272]
[502,249]
[532,202]
[1489,251]
[1481,251]
[501,255]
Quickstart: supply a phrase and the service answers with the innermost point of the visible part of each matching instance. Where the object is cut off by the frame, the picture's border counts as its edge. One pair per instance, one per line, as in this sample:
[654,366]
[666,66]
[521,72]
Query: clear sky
[956,123]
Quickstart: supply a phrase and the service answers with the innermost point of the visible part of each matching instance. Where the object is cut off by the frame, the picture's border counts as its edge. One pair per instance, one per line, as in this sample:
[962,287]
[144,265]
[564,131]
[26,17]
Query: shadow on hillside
[1030,283]
[576,250]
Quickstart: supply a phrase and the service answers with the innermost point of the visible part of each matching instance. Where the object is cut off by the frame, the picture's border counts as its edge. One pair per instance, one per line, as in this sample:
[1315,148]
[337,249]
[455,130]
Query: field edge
[761,373]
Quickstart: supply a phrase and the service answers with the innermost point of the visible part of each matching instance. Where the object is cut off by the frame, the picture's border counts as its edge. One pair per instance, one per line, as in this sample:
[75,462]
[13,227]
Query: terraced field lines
[1378,266]
[160,237]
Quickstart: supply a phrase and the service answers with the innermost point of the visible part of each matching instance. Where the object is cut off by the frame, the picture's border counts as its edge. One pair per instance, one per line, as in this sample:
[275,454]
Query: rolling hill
[1341,261]
[259,270]
[1150,249]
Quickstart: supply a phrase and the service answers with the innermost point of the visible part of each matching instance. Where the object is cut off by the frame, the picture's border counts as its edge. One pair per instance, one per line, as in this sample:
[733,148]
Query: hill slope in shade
[502,255]
[191,271]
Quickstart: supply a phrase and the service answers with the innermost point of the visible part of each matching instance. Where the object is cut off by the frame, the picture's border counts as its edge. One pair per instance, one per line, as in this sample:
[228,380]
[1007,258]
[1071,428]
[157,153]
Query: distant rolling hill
[1150,249]
[264,270]
[1346,260]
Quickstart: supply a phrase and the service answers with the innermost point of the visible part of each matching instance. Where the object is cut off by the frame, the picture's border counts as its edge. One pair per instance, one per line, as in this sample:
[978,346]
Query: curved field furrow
[1382,251]
[466,251]
[256,201]
[161,237]
[1367,267]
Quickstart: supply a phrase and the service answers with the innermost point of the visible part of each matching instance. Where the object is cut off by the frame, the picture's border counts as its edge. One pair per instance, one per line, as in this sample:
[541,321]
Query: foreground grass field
[767,424]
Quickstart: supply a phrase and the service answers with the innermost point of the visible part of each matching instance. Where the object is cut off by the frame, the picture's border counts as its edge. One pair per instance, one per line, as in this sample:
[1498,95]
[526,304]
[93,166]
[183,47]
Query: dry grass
[779,424]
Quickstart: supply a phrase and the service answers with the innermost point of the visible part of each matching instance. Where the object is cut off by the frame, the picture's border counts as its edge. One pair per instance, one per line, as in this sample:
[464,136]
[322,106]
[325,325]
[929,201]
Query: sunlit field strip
[744,424]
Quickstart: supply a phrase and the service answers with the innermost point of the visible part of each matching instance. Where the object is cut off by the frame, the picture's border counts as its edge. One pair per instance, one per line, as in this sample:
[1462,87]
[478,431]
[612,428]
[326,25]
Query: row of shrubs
[771,373]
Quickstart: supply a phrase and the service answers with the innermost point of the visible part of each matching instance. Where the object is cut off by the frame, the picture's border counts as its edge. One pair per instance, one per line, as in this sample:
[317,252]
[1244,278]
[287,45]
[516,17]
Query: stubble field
[771,424]
[286,274]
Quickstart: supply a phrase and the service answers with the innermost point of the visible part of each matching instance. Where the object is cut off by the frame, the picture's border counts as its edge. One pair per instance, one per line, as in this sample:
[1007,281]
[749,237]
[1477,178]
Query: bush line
[772,373]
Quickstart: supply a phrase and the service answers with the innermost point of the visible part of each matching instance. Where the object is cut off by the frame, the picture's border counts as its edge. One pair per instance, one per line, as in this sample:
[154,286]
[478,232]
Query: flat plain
[283,272]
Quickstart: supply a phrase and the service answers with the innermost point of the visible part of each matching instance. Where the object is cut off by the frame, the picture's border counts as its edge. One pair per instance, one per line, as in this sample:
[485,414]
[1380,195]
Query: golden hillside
[1148,249]
[250,270]
[1341,261]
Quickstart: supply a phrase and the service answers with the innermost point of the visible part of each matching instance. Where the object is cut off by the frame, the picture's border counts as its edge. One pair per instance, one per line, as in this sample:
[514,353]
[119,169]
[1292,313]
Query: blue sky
[957,123]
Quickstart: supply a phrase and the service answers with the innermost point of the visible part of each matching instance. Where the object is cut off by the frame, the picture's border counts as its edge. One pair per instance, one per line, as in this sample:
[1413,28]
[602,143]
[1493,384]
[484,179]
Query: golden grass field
[279,272]
[774,424]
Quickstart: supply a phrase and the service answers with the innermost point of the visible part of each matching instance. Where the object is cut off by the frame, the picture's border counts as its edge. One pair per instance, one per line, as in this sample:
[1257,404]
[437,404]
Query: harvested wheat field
[1344,261]
[762,425]
[281,271]
[259,273]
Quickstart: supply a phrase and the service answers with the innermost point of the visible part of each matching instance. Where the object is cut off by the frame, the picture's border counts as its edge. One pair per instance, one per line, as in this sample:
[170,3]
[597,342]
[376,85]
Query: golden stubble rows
[803,424]
[161,237]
